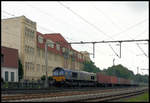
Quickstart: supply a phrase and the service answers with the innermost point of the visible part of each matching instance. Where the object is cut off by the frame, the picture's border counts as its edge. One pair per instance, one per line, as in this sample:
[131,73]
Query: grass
[140,98]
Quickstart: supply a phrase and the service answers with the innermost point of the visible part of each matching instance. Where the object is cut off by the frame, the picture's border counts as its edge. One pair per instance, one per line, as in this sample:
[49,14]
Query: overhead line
[142,50]
[129,27]
[107,17]
[84,19]
[109,41]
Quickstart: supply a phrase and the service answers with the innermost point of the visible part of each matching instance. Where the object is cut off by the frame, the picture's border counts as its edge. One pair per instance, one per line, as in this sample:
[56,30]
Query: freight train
[74,78]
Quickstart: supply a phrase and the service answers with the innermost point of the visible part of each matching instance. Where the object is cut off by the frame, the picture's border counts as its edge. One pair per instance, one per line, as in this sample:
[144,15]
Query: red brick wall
[10,57]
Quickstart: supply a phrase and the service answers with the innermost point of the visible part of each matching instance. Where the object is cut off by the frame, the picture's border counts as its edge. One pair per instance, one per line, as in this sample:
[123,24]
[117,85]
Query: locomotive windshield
[61,73]
[58,73]
[55,73]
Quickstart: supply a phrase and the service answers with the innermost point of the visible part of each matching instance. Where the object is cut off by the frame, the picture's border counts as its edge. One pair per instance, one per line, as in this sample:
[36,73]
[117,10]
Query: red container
[121,81]
[101,78]
[113,80]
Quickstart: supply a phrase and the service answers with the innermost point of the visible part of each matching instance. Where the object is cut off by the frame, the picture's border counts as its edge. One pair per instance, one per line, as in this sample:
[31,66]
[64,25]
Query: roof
[58,38]
[10,57]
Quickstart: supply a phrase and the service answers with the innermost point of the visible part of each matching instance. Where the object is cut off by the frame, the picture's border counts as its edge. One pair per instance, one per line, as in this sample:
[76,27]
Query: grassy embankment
[140,98]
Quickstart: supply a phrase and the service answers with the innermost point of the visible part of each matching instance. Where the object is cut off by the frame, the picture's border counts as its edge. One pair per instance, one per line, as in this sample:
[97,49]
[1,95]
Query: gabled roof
[58,38]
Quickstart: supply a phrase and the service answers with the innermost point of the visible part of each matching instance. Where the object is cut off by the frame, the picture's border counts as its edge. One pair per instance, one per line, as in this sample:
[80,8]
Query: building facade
[9,64]
[21,33]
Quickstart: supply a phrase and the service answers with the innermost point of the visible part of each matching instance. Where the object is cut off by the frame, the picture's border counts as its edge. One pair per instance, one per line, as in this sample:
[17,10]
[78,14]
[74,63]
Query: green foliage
[49,78]
[140,98]
[141,78]
[43,77]
[20,70]
[90,67]
[123,72]
[2,80]
[120,71]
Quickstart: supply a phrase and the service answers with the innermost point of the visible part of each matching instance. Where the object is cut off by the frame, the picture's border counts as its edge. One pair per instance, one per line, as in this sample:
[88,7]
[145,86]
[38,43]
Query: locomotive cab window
[74,74]
[92,77]
[55,73]
[61,73]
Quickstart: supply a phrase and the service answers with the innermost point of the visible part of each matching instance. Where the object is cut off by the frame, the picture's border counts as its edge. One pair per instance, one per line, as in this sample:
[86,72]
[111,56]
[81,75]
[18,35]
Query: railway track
[114,97]
[50,90]
[63,96]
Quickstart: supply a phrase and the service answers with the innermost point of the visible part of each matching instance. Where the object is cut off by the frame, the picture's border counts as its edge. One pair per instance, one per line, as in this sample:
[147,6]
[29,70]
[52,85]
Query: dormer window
[63,49]
[79,56]
[58,47]
[40,39]
[71,53]
[50,43]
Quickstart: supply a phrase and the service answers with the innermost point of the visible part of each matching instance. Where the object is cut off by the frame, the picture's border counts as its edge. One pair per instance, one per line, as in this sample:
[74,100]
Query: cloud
[138,6]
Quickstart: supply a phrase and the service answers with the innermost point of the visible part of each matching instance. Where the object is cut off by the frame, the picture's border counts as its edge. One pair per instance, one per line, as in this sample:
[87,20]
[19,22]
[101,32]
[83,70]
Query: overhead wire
[132,26]
[13,15]
[99,10]
[115,24]
[94,25]
[56,18]
[86,21]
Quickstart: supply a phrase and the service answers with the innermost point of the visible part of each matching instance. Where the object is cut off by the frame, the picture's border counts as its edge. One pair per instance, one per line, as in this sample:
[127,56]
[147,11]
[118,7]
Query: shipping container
[101,78]
[113,80]
[120,80]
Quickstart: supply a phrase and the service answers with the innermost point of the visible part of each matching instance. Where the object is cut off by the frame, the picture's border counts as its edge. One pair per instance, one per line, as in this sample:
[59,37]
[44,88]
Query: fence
[24,85]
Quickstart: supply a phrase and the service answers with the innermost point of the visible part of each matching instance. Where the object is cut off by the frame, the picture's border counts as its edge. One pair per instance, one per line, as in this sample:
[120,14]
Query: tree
[49,78]
[43,77]
[141,78]
[120,71]
[89,66]
[20,70]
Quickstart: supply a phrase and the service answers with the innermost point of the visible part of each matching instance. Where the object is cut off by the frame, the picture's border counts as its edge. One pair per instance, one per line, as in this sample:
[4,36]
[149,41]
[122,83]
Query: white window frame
[63,49]
[58,47]
[40,39]
[50,43]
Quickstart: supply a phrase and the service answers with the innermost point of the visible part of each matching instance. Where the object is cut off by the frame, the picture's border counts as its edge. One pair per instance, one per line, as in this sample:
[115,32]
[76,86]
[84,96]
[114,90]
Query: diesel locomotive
[76,78]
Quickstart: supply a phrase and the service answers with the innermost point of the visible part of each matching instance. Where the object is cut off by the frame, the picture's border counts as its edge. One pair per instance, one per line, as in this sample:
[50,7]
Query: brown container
[101,78]
[113,80]
[121,81]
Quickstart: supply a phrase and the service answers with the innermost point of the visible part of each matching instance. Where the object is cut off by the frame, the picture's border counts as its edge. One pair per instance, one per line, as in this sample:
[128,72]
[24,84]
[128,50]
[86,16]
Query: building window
[70,52]
[38,52]
[40,39]
[79,56]
[50,43]
[43,68]
[12,76]
[38,67]
[58,47]
[29,33]
[43,53]
[6,75]
[63,49]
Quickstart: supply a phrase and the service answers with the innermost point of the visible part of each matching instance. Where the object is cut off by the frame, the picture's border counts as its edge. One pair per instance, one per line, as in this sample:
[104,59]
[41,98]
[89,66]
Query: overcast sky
[93,21]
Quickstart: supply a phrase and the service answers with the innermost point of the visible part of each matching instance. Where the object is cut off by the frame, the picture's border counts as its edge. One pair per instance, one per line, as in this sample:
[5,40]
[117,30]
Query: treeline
[117,70]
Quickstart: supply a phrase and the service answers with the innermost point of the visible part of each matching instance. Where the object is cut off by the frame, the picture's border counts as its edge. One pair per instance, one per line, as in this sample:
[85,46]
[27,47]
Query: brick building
[9,64]
[21,33]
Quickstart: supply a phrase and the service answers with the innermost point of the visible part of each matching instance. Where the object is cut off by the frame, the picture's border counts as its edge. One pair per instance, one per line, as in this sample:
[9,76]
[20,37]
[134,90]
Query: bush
[2,80]
[49,78]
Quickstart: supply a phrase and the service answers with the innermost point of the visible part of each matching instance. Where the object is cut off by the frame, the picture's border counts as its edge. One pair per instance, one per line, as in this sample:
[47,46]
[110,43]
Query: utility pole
[46,81]
[113,61]
[137,70]
[93,50]
[120,49]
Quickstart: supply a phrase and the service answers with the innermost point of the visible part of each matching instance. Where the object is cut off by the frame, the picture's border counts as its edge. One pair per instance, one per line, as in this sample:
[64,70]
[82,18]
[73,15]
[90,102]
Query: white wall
[15,70]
